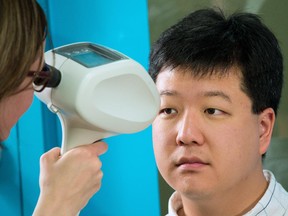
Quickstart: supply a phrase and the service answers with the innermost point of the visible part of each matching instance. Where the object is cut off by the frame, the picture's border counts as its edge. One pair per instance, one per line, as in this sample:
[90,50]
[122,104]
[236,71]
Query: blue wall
[130,184]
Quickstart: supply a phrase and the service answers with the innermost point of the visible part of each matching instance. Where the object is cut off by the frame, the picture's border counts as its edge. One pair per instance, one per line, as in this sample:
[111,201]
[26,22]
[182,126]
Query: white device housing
[95,102]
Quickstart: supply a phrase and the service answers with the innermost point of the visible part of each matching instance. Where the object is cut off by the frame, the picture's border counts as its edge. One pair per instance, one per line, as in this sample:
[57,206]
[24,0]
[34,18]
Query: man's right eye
[167,111]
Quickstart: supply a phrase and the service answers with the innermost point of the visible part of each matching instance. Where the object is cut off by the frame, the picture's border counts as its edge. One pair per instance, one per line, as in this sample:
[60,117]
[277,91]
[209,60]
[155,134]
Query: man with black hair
[220,81]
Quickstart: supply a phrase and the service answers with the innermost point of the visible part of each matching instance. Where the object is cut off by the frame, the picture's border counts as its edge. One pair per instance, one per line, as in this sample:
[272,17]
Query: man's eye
[213,111]
[168,111]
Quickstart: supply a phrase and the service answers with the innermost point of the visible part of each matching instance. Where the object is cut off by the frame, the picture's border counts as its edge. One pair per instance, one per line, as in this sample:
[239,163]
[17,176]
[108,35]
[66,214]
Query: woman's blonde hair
[22,32]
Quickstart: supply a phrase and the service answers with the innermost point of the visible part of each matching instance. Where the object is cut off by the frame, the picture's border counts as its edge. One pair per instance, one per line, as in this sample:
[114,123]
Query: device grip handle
[73,135]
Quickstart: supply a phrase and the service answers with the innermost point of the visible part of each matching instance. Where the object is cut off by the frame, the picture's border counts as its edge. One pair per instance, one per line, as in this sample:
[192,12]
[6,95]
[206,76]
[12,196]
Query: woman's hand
[67,182]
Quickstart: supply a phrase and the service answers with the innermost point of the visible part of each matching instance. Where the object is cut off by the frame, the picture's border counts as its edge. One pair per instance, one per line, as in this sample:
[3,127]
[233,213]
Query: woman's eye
[213,111]
[168,111]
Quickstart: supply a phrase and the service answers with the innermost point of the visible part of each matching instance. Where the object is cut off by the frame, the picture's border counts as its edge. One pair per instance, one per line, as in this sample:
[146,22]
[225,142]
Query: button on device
[52,108]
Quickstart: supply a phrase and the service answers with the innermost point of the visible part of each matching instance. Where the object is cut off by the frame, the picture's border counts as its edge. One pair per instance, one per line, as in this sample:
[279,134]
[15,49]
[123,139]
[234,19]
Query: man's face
[206,139]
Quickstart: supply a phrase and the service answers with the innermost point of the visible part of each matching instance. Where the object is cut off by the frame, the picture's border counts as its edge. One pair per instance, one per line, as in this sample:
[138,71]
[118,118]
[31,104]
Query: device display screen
[89,55]
[91,59]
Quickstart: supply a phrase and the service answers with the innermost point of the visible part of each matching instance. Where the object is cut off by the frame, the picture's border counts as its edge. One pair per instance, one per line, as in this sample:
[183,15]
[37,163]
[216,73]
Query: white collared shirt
[273,203]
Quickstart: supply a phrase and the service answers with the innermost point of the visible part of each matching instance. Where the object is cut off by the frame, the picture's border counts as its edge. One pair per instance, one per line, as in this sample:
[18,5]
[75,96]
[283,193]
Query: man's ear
[266,124]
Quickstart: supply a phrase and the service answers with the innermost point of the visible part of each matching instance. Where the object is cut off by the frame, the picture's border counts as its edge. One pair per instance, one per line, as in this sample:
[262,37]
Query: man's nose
[189,130]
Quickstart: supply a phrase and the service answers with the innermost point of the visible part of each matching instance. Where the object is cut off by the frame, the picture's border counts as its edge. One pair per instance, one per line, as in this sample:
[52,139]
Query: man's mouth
[191,163]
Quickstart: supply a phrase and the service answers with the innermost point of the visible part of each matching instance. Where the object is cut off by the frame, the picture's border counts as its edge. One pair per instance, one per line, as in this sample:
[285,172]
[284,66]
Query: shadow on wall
[276,160]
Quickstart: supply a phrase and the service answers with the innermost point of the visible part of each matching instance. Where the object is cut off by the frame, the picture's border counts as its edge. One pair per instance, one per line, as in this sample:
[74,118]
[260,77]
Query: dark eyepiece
[55,76]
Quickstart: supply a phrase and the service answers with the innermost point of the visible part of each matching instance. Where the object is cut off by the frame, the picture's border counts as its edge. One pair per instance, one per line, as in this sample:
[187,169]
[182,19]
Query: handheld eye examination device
[99,93]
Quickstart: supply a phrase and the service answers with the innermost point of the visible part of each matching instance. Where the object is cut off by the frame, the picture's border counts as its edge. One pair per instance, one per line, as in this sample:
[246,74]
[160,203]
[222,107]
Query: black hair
[207,42]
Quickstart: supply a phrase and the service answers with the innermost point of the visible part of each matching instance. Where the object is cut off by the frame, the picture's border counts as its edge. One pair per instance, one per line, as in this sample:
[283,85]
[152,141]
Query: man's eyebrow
[217,94]
[168,93]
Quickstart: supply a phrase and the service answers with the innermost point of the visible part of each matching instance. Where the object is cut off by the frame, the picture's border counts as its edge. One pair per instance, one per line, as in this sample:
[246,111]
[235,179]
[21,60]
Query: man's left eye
[213,111]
